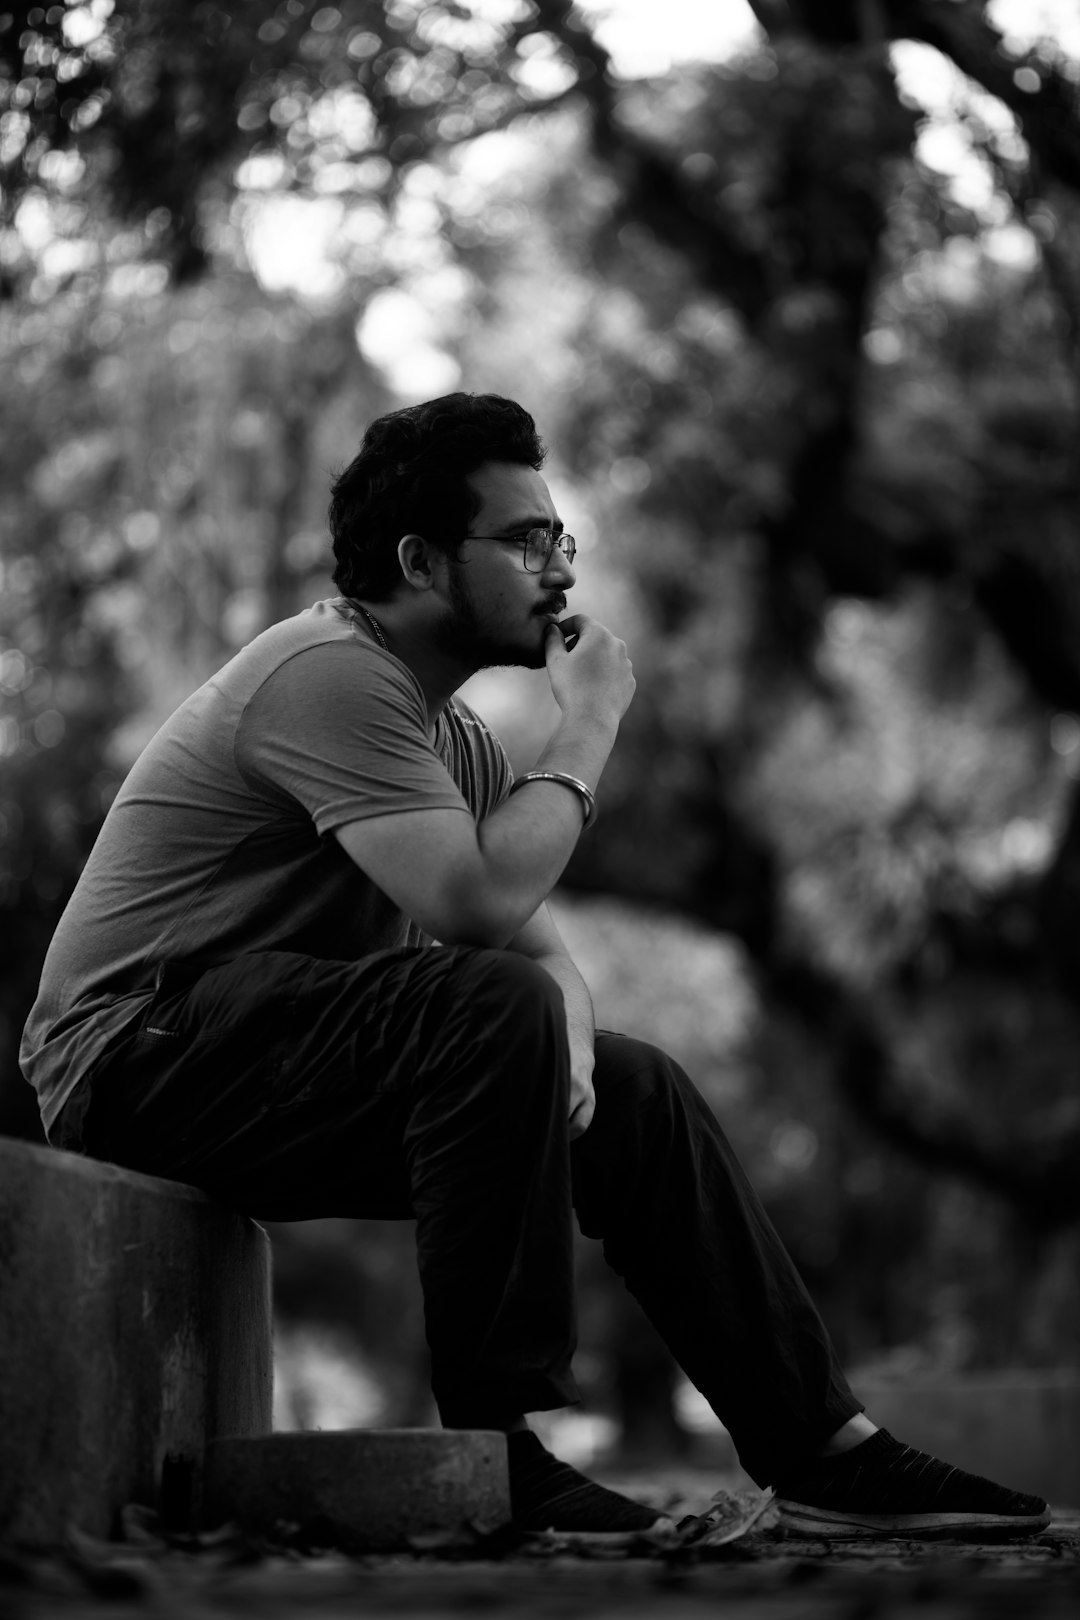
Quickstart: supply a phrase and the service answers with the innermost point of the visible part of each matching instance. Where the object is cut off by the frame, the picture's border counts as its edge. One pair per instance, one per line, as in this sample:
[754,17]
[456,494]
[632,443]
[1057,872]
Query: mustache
[556,604]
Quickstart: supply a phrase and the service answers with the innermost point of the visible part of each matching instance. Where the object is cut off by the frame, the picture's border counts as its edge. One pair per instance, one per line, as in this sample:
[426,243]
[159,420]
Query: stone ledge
[135,1326]
[363,1490]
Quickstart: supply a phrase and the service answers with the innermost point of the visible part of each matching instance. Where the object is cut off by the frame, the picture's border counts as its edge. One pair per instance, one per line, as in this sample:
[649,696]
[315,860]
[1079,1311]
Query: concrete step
[361,1490]
[135,1326]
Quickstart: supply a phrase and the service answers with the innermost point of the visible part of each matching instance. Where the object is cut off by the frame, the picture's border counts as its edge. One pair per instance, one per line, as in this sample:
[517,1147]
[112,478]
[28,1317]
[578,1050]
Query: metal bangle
[568,781]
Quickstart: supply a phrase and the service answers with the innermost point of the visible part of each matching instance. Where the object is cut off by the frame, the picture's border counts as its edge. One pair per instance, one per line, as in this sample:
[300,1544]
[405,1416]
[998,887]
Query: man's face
[497,611]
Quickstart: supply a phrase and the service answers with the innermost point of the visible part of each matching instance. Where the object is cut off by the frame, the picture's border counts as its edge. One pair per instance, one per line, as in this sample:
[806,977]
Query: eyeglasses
[537,546]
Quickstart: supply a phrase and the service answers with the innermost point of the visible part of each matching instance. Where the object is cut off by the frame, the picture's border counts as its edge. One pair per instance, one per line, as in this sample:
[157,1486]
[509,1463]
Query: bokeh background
[793,290]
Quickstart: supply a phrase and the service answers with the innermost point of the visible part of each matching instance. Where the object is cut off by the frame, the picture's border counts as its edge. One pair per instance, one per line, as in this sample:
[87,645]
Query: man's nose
[559,568]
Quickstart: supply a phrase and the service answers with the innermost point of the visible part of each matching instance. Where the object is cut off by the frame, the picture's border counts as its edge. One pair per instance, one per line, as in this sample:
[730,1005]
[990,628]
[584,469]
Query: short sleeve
[477,759]
[340,730]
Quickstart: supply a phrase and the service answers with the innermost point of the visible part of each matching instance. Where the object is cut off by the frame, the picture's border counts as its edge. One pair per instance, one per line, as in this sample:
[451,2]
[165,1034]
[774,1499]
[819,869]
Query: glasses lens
[540,543]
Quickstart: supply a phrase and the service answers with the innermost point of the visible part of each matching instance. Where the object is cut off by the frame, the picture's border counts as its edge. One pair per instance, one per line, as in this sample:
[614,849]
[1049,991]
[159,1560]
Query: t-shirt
[219,842]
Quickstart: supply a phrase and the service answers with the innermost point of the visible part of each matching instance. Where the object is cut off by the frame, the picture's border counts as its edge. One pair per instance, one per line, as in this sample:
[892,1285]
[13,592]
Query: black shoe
[546,1494]
[882,1490]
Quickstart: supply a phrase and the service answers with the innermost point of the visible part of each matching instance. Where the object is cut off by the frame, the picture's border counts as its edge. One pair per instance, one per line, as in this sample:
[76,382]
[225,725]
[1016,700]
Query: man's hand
[594,675]
[582,1095]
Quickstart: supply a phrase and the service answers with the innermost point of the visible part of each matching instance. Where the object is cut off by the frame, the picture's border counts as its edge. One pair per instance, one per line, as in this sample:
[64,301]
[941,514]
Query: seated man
[244,994]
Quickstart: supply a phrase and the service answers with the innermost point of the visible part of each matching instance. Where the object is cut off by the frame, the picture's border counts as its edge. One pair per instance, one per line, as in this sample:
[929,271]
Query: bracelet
[568,781]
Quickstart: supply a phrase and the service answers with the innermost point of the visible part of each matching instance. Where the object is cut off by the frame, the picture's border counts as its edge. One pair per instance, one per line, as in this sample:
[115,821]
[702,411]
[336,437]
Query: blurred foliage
[162,512]
[814,406]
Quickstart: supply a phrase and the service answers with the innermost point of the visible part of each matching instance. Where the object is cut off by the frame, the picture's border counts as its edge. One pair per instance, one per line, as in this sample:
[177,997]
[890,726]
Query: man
[244,993]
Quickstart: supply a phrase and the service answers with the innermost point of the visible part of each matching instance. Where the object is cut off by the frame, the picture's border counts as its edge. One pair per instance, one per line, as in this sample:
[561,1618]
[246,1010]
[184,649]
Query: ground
[757,1576]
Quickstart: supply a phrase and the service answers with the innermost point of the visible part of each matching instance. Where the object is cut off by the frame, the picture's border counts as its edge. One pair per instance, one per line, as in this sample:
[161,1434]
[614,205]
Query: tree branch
[774,16]
[684,214]
[1048,116]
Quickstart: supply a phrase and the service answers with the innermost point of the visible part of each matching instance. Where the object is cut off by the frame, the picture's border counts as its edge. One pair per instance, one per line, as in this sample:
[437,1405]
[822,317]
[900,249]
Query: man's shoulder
[316,647]
[323,624]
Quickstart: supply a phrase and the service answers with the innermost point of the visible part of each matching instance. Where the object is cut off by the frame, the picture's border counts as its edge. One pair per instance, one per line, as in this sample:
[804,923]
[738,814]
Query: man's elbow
[483,917]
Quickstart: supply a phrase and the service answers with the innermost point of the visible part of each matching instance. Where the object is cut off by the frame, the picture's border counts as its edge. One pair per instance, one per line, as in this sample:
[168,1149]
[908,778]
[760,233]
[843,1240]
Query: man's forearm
[580,1030]
[580,1022]
[541,943]
[525,844]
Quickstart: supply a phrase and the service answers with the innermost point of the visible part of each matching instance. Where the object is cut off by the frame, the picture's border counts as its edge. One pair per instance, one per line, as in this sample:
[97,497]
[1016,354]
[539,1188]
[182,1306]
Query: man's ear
[417,559]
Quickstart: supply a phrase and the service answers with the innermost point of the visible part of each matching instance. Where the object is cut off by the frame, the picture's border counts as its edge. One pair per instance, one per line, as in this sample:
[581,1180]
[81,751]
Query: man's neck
[439,675]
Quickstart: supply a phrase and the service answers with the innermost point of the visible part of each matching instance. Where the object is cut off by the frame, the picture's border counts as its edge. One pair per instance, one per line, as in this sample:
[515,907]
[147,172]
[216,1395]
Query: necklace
[374,623]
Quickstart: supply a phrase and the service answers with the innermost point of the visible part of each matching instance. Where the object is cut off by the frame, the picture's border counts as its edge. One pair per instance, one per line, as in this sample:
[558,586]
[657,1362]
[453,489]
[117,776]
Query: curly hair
[409,477]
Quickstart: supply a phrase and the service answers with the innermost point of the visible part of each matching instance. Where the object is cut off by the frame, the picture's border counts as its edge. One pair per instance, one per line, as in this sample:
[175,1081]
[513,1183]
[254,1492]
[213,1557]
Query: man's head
[411,476]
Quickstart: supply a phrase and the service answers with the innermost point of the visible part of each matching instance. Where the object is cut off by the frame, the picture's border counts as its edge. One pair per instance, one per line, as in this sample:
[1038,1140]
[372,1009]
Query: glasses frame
[558,542]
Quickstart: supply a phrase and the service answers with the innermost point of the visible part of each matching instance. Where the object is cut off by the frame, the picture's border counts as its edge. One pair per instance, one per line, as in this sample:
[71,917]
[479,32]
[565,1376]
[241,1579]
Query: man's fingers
[580,1120]
[560,638]
[582,1112]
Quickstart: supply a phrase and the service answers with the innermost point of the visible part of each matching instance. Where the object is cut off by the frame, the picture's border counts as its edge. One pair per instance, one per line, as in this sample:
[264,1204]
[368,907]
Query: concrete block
[363,1490]
[135,1325]
[1021,1429]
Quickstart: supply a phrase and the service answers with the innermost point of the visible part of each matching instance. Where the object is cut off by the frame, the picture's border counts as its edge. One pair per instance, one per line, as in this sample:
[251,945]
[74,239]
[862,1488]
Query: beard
[465,637]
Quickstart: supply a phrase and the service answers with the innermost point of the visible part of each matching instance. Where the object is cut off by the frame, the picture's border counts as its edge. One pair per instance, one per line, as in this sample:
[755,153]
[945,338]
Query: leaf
[728,1519]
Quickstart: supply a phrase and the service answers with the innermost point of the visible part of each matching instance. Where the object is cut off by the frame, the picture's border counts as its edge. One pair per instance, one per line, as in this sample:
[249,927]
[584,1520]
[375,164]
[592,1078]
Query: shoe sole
[796,1519]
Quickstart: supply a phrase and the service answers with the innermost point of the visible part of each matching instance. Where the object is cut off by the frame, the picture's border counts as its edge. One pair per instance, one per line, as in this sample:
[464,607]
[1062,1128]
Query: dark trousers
[434,1083]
